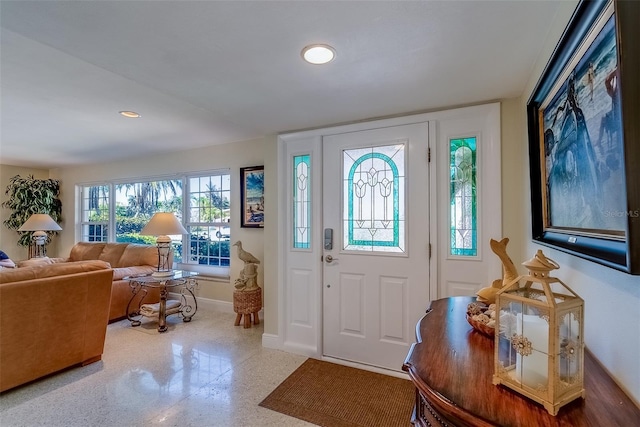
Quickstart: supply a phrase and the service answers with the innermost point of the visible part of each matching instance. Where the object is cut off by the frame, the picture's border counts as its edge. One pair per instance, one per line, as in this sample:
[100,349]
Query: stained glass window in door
[302,201]
[374,192]
[463,197]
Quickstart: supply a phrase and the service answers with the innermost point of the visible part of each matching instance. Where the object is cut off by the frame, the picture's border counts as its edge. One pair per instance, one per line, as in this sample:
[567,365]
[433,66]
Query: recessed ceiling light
[318,54]
[130,114]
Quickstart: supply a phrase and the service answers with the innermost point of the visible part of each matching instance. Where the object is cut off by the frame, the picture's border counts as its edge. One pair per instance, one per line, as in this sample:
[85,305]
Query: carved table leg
[162,315]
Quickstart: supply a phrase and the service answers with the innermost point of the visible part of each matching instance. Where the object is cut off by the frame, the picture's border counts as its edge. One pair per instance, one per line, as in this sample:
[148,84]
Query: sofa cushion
[136,254]
[86,250]
[112,253]
[35,261]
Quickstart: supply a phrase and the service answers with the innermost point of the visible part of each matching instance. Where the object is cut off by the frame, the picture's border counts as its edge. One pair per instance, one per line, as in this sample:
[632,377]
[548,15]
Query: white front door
[376,217]
[381,278]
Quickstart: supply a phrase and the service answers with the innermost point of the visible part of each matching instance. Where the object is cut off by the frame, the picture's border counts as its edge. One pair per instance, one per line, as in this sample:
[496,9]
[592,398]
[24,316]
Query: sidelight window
[463,197]
[302,201]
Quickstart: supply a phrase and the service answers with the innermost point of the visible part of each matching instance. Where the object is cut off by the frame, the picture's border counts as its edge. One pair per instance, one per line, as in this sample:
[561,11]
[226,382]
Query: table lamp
[163,224]
[40,224]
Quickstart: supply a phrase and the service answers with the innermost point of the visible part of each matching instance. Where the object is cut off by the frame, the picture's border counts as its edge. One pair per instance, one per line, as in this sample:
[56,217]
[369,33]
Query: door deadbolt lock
[328,239]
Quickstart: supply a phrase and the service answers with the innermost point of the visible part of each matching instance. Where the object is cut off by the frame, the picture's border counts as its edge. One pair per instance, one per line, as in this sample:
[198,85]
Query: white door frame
[312,345]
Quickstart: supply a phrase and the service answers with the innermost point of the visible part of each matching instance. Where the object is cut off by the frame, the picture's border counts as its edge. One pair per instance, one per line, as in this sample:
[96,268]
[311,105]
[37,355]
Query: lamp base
[167,273]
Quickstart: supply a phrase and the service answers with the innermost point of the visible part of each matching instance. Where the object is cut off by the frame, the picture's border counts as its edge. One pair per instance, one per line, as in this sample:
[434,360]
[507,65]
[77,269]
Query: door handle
[329,259]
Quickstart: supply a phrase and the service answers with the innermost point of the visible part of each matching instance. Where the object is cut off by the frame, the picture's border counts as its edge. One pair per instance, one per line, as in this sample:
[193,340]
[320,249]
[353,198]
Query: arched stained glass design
[302,201]
[463,207]
[373,205]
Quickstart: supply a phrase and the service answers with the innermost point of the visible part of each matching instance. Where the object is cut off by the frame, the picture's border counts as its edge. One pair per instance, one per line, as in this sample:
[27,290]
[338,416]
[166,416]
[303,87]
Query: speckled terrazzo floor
[204,373]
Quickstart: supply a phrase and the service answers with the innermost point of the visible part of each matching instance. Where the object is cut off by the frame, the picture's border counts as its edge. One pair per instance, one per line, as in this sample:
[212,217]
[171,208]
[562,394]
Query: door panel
[376,276]
[393,299]
[301,315]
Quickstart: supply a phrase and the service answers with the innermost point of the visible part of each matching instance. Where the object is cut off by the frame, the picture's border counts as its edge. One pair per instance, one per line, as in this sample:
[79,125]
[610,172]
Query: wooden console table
[451,367]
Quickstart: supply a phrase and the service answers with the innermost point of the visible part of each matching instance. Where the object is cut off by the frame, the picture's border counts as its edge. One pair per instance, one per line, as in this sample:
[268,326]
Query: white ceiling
[210,72]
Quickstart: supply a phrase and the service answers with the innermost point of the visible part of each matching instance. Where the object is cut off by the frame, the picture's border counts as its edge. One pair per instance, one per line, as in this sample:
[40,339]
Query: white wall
[612,298]
[231,156]
[272,235]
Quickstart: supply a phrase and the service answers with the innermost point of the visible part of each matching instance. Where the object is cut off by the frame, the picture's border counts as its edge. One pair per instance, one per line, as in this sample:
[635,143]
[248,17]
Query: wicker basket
[247,302]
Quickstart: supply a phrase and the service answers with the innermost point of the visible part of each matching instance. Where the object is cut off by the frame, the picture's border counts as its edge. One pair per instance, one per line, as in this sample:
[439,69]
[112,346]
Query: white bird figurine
[244,255]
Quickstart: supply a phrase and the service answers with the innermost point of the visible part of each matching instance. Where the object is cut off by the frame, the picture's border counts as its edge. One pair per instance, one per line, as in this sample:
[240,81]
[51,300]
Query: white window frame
[216,271]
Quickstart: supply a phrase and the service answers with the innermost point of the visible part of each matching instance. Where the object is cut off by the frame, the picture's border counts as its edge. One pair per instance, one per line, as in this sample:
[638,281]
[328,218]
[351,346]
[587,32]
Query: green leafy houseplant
[28,196]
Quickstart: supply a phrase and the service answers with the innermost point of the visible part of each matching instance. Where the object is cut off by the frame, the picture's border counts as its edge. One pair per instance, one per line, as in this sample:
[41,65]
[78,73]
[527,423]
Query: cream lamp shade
[40,224]
[163,224]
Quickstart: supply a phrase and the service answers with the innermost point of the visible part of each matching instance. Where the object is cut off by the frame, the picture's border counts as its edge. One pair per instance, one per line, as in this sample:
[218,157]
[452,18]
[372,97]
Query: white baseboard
[214,304]
[274,342]
[271,341]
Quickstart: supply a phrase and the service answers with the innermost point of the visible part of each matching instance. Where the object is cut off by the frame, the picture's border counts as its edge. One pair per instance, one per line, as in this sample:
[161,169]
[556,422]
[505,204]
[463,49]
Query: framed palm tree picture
[252,196]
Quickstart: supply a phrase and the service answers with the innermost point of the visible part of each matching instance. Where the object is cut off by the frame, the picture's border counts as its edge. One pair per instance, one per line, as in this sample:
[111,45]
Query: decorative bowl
[475,310]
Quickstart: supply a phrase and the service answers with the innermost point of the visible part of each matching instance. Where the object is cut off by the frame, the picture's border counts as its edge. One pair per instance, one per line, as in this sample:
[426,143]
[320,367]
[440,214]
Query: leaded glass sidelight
[463,206]
[373,205]
[302,201]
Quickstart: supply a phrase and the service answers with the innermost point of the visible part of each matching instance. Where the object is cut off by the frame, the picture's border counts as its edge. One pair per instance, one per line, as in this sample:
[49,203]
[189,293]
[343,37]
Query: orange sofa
[126,259]
[52,317]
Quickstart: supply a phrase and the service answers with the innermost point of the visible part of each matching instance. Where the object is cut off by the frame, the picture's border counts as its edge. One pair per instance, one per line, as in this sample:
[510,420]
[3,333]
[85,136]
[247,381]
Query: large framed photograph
[252,196]
[584,139]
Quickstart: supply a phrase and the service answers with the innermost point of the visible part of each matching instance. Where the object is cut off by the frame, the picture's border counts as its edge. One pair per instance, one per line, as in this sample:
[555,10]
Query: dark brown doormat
[333,395]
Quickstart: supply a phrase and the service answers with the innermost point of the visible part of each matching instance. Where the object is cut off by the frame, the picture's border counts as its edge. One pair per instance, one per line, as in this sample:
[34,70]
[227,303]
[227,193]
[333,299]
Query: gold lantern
[539,340]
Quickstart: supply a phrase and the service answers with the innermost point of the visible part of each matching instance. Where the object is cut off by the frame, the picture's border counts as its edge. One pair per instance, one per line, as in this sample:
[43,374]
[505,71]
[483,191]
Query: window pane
[95,213]
[463,207]
[209,217]
[208,246]
[373,205]
[209,199]
[302,201]
[136,203]
[95,232]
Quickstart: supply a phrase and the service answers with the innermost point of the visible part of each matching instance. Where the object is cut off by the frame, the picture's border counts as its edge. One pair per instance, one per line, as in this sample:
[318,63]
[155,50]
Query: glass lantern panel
[570,346]
[532,345]
[507,312]
[524,343]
